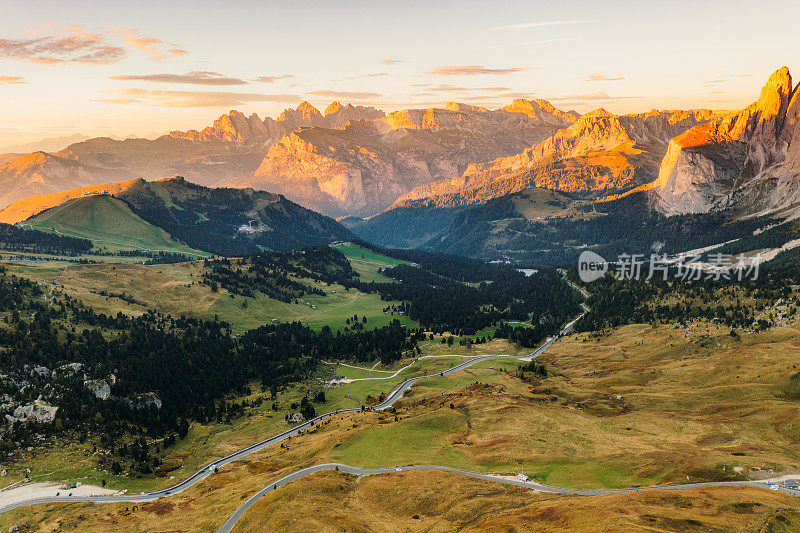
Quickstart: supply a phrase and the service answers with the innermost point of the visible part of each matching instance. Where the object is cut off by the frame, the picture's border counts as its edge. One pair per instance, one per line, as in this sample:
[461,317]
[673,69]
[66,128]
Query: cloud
[195,77]
[376,75]
[542,24]
[71,44]
[346,94]
[390,61]
[273,79]
[193,98]
[8,80]
[529,43]
[601,77]
[471,70]
[155,48]
[711,83]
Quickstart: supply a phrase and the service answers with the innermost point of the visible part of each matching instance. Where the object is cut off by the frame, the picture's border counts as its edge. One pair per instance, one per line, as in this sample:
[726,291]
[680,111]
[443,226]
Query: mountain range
[461,178]
[351,159]
[670,171]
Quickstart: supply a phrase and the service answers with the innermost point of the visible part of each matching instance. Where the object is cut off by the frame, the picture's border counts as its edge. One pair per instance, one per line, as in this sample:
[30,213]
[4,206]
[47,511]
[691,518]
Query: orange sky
[148,67]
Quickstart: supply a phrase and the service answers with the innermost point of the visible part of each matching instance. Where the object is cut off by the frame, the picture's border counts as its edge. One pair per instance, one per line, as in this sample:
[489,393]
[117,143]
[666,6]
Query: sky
[144,68]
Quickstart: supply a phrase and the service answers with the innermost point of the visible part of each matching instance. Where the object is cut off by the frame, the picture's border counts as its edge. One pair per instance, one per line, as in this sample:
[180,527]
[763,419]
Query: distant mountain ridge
[599,153]
[363,166]
[40,173]
[372,158]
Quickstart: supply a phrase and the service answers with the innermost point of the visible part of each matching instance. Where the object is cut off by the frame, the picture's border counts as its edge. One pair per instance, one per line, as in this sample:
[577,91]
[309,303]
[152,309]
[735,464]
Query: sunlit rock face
[748,161]
[599,153]
[364,165]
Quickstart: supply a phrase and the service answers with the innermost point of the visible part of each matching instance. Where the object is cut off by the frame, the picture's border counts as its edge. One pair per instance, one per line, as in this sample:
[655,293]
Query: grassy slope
[683,410]
[366,262]
[174,289]
[108,223]
[436,501]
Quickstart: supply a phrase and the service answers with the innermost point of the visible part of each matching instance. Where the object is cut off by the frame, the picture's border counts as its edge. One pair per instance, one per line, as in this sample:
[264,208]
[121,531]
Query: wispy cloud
[346,94]
[540,24]
[376,75]
[712,83]
[155,48]
[601,77]
[67,44]
[529,43]
[8,80]
[193,98]
[195,77]
[273,79]
[390,61]
[472,70]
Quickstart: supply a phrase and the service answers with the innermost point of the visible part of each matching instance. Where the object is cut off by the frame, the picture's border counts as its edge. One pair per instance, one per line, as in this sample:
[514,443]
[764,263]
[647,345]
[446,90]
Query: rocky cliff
[749,161]
[601,152]
[234,145]
[364,165]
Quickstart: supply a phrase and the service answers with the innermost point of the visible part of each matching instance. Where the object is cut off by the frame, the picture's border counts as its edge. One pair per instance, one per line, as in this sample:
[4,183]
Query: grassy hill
[108,223]
[220,221]
[230,221]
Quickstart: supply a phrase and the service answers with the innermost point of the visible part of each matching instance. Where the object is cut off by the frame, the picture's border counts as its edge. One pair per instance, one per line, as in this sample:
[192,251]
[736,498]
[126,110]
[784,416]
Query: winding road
[390,400]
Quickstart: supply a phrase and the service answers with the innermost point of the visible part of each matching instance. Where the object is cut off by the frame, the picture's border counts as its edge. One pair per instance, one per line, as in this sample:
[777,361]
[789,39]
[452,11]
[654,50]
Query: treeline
[455,267]
[162,371]
[271,273]
[15,239]
[442,304]
[741,304]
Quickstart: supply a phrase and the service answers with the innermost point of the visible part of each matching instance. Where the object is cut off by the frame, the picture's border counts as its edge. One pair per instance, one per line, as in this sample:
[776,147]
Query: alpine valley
[486,288]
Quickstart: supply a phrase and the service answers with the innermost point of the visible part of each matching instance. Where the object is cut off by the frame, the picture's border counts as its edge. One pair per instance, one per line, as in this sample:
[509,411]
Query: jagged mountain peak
[598,113]
[306,108]
[335,107]
[748,161]
[540,110]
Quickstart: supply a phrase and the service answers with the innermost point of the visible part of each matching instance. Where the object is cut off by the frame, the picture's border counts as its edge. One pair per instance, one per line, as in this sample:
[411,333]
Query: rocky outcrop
[101,388]
[364,165]
[38,411]
[234,145]
[338,115]
[601,152]
[234,127]
[748,161]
